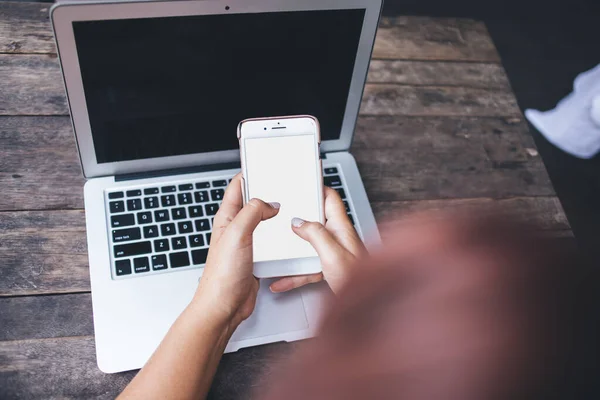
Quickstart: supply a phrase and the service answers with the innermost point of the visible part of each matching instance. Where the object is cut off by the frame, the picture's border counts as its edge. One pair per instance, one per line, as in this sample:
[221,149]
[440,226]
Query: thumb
[320,238]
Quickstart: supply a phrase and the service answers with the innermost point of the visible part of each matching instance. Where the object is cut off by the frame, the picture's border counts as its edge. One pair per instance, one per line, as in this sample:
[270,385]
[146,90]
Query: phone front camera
[265,129]
[227,8]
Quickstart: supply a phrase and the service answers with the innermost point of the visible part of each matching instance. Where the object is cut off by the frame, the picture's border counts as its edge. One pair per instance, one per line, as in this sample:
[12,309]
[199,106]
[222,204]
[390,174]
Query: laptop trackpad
[274,314]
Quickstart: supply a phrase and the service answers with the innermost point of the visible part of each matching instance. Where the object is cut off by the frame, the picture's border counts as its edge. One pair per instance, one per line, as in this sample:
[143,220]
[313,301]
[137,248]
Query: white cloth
[574,125]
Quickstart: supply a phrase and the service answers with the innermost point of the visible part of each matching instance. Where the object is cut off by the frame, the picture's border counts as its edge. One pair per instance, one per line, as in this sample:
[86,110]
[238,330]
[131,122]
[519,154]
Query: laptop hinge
[177,171]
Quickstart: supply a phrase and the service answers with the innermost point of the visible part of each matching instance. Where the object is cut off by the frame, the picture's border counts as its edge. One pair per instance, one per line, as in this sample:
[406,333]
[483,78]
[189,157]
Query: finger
[246,221]
[231,205]
[293,282]
[320,238]
[339,224]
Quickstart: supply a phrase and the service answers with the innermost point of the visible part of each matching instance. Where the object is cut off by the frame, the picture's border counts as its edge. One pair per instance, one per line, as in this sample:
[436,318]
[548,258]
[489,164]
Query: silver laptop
[156,91]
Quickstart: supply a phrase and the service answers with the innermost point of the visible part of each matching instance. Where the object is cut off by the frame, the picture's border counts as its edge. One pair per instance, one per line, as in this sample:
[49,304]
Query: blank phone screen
[283,170]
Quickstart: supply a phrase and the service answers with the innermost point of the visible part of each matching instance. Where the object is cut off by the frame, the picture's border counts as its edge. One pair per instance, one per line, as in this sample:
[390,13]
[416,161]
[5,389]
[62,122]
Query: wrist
[208,314]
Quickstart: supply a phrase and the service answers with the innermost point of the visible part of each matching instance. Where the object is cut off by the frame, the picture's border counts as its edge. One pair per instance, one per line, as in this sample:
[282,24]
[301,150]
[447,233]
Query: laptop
[156,91]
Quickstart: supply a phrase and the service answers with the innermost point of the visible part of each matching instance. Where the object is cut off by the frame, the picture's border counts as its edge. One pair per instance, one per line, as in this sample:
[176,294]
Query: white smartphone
[281,163]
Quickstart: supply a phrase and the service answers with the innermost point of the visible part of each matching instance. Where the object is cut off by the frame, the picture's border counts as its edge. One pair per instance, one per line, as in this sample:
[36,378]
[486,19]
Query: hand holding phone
[281,163]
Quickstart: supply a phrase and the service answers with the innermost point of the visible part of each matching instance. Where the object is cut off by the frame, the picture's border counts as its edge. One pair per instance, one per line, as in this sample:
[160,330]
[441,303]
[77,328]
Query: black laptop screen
[158,87]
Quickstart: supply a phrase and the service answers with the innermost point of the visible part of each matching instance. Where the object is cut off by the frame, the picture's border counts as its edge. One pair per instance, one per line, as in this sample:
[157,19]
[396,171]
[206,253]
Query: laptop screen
[158,87]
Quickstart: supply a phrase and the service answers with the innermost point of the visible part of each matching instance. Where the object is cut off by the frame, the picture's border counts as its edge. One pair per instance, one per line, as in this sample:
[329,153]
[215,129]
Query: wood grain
[43,252]
[54,316]
[437,73]
[65,368]
[25,28]
[33,84]
[388,99]
[441,39]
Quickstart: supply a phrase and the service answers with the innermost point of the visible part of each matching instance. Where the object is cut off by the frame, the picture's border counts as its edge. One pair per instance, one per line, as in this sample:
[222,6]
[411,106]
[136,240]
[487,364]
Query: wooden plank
[33,84]
[545,213]
[426,38]
[25,28]
[388,99]
[45,252]
[36,317]
[66,368]
[430,158]
[439,73]
[39,166]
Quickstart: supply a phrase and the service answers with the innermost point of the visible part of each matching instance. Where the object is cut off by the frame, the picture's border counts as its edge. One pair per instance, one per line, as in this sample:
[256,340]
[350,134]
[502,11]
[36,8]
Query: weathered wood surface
[62,368]
[440,129]
[25,28]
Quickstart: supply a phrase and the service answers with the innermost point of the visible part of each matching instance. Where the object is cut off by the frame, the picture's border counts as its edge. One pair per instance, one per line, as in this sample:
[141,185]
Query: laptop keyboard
[161,228]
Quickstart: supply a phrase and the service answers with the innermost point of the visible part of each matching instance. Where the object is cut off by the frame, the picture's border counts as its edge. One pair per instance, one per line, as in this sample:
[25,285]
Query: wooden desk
[439,128]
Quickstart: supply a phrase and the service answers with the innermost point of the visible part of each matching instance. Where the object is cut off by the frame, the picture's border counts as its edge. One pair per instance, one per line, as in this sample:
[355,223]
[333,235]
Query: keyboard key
[221,183]
[167,229]
[187,186]
[178,213]
[159,262]
[168,200]
[134,193]
[150,231]
[161,245]
[151,191]
[341,193]
[181,259]
[151,202]
[123,235]
[117,221]
[201,197]
[168,189]
[161,215]
[196,240]
[351,219]
[115,195]
[331,170]
[134,204]
[141,265]
[208,235]
[211,209]
[184,198]
[144,217]
[217,194]
[195,211]
[123,267]
[199,256]
[333,181]
[185,227]
[202,185]
[116,207]
[347,206]
[202,225]
[178,243]
[132,249]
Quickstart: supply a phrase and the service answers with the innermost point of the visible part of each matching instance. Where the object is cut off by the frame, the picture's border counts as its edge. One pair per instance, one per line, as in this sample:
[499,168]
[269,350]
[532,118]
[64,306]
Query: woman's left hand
[228,289]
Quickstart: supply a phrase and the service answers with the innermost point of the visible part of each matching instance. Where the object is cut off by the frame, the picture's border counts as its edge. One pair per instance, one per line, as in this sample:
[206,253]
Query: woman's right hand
[336,243]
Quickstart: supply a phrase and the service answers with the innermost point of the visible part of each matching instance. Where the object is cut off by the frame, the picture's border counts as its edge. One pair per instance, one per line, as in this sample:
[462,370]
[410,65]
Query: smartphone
[281,163]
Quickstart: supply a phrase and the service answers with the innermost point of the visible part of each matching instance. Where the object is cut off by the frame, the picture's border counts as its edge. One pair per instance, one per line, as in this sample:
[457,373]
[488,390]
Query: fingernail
[297,222]
[275,205]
